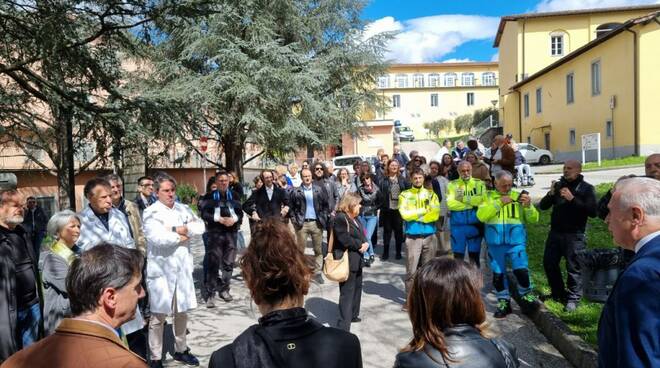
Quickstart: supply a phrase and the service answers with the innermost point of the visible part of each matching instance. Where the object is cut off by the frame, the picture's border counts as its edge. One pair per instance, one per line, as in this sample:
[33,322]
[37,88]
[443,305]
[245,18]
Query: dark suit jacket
[629,327]
[216,199]
[348,235]
[266,208]
[299,206]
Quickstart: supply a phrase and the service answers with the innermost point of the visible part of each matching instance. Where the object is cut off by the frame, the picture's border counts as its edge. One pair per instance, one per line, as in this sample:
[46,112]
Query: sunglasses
[318,169]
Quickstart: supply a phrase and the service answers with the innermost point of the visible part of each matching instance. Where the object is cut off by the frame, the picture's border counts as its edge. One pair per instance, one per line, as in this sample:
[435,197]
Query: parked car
[535,155]
[404,133]
[346,162]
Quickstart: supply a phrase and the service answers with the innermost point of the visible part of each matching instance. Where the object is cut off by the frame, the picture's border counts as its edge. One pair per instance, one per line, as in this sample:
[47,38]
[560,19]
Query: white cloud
[454,60]
[558,5]
[430,38]
[495,57]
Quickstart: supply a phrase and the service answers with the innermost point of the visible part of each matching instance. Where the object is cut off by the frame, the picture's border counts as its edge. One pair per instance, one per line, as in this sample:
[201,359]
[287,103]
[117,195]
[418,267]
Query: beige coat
[135,220]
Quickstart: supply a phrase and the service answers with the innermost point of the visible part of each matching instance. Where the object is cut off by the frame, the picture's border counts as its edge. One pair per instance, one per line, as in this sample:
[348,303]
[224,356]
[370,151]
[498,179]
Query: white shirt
[642,242]
[269,192]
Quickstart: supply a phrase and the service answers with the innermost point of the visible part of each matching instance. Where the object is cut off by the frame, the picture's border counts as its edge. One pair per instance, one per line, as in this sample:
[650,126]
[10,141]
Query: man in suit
[103,287]
[629,327]
[268,201]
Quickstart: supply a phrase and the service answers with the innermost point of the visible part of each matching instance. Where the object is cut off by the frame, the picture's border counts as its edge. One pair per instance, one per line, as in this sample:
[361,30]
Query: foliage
[438,126]
[186,193]
[617,162]
[584,321]
[482,114]
[463,123]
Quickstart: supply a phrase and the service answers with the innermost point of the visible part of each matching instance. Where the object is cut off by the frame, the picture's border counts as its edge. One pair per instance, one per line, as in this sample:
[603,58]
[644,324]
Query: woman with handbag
[448,317]
[278,275]
[349,237]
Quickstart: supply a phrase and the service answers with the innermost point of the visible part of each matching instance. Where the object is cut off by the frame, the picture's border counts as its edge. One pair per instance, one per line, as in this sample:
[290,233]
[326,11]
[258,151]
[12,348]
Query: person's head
[258,183]
[460,144]
[396,149]
[350,204]
[428,182]
[31,202]
[417,177]
[99,194]
[473,144]
[356,167]
[465,170]
[293,168]
[233,177]
[634,210]
[652,166]
[434,166]
[267,178]
[367,179]
[304,165]
[392,167]
[319,170]
[343,175]
[329,167]
[472,158]
[365,167]
[211,186]
[380,152]
[306,176]
[572,169]
[65,227]
[384,158]
[446,143]
[222,181]
[105,281]
[413,154]
[418,161]
[498,141]
[165,187]
[276,177]
[445,293]
[146,186]
[503,182]
[275,271]
[447,160]
[11,208]
[116,187]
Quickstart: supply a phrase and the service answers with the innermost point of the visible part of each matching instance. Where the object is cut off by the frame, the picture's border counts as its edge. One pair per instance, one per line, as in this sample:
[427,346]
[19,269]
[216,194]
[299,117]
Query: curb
[594,169]
[571,346]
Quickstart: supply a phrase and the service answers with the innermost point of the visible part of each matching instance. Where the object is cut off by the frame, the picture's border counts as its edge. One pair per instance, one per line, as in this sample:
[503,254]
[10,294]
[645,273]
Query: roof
[627,25]
[430,65]
[515,17]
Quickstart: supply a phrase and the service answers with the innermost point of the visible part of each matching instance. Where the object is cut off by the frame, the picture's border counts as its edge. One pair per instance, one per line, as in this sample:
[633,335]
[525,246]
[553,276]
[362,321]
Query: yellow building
[578,64]
[421,93]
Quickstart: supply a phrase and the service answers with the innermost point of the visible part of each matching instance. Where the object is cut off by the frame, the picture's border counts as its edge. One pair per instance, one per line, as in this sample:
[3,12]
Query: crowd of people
[117,269]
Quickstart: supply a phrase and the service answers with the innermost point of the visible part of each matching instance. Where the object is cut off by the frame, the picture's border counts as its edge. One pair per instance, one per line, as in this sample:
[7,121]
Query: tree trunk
[66,174]
[234,148]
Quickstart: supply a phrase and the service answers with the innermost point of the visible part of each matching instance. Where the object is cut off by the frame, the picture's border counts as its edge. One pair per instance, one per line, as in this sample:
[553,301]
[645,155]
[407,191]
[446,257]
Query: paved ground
[384,328]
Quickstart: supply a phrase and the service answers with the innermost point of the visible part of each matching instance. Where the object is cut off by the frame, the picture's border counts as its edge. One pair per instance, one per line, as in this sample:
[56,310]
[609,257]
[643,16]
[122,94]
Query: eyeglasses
[318,169]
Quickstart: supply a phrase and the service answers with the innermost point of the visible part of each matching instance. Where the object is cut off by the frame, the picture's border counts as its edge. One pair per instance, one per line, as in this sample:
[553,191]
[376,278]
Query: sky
[451,31]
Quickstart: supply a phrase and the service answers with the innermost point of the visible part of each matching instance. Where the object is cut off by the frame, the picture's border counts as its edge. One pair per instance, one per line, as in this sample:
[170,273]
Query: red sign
[203,143]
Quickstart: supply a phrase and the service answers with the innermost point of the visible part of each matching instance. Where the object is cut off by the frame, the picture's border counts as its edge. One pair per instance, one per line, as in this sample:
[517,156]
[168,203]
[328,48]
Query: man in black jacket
[145,196]
[223,215]
[268,201]
[309,203]
[572,200]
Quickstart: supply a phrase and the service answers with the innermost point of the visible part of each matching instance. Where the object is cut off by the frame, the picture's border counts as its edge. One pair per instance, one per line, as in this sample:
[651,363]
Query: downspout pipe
[520,114]
[636,137]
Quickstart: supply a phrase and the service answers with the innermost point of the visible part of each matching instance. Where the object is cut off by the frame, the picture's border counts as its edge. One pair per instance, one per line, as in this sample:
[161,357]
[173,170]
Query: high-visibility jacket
[420,209]
[505,224]
[463,210]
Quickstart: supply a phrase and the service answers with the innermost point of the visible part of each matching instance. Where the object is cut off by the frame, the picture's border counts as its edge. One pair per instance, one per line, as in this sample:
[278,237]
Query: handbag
[335,269]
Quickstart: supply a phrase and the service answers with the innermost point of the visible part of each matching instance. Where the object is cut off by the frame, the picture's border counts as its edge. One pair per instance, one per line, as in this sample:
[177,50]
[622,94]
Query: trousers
[517,255]
[311,229]
[558,246]
[350,297]
[392,222]
[221,251]
[418,252]
[156,326]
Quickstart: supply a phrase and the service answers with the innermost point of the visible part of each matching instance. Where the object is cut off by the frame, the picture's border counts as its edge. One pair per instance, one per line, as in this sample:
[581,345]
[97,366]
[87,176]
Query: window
[434,99]
[539,101]
[467,79]
[609,129]
[396,100]
[526,104]
[418,80]
[595,78]
[470,98]
[450,79]
[571,137]
[557,44]
[384,81]
[488,79]
[570,91]
[401,81]
[434,80]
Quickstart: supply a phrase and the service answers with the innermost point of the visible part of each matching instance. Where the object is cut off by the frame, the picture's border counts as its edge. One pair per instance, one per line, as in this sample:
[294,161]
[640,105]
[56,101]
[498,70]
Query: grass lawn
[584,321]
[618,162]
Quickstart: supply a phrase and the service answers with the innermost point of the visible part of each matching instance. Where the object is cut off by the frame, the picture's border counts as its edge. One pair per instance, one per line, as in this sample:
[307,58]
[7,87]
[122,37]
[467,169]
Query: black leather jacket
[299,205]
[467,348]
[385,189]
[371,200]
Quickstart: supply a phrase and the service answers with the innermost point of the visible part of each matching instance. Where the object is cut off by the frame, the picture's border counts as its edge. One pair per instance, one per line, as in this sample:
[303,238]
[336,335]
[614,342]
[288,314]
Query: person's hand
[255,216]
[552,187]
[227,221]
[182,230]
[364,247]
[183,238]
[505,200]
[284,211]
[566,194]
[525,200]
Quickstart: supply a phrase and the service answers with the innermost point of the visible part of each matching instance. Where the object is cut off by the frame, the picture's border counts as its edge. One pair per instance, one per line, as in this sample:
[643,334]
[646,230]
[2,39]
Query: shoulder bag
[335,269]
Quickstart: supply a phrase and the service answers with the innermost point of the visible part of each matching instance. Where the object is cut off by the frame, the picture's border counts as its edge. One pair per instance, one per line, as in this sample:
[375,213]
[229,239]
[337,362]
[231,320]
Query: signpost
[203,146]
[590,142]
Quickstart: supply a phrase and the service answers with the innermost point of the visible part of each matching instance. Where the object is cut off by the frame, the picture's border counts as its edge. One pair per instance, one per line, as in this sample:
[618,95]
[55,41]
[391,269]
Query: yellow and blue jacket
[420,209]
[463,212]
[505,223]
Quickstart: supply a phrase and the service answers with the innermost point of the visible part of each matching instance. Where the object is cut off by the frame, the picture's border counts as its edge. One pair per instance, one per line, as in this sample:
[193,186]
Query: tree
[436,127]
[463,123]
[283,74]
[482,114]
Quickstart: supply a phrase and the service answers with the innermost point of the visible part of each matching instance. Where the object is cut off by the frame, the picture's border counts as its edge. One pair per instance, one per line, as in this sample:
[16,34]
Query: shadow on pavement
[385,291]
[323,310]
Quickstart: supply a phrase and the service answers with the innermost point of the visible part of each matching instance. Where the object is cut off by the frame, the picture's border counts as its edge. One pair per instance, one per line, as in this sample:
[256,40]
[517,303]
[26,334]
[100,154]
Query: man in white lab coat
[168,226]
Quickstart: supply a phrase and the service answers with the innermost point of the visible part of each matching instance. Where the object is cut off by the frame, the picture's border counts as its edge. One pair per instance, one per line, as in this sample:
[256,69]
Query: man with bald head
[652,166]
[572,200]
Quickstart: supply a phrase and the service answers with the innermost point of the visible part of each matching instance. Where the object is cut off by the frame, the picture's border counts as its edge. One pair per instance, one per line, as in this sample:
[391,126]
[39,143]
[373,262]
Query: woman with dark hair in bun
[278,275]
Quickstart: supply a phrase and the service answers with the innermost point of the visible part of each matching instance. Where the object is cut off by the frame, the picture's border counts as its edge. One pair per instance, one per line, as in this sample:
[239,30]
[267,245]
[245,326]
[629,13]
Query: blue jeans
[28,324]
[517,255]
[369,223]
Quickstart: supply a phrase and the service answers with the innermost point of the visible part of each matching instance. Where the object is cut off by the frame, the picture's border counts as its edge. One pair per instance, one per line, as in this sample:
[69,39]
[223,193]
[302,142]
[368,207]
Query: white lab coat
[170,262]
[93,233]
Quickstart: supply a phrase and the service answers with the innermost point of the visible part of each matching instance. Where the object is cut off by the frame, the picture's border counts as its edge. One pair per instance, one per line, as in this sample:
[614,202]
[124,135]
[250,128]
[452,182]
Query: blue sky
[450,30]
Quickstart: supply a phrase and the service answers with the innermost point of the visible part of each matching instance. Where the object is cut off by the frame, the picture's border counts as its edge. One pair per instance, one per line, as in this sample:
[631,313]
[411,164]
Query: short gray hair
[464,163]
[113,177]
[59,220]
[640,191]
[162,177]
[503,174]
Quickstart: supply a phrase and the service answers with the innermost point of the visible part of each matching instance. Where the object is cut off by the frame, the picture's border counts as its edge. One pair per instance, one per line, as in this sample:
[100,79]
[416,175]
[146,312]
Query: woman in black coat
[349,236]
[277,274]
[448,315]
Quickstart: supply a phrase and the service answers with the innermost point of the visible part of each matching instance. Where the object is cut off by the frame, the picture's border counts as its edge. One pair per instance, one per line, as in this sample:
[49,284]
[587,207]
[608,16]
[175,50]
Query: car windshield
[346,161]
[405,129]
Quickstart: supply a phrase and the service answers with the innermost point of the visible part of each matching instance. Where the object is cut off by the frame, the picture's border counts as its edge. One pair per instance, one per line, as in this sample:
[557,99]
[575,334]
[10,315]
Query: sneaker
[210,302]
[365,263]
[503,308]
[372,259]
[186,357]
[571,306]
[155,364]
[529,303]
[356,320]
[226,296]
